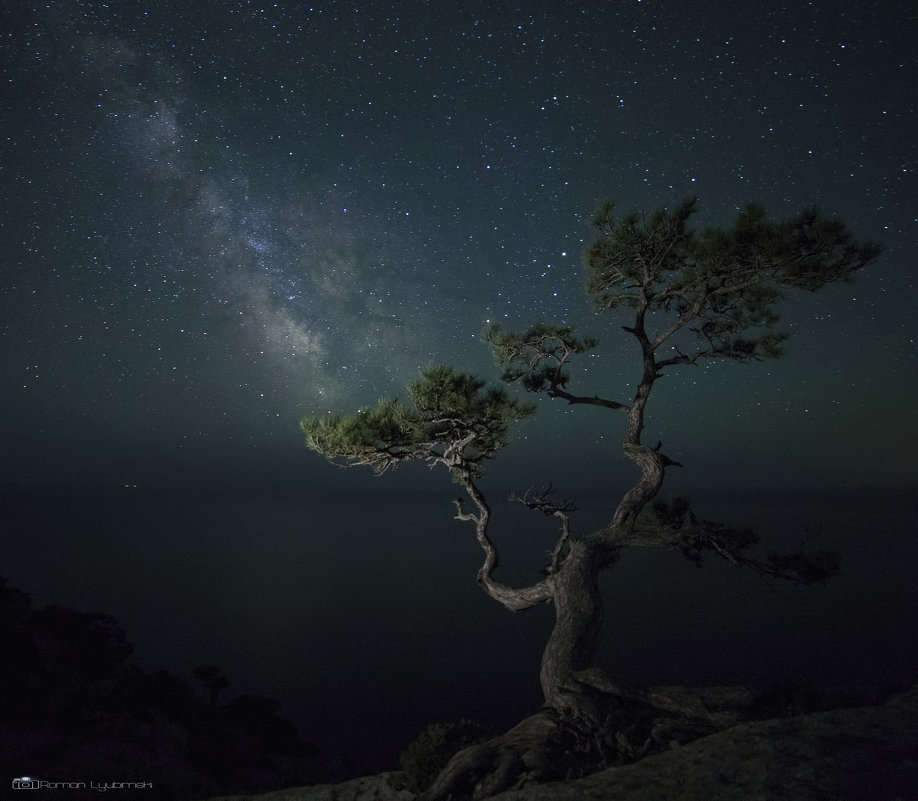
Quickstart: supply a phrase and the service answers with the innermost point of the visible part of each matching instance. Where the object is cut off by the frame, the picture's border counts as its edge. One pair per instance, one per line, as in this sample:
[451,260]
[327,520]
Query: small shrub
[786,700]
[424,758]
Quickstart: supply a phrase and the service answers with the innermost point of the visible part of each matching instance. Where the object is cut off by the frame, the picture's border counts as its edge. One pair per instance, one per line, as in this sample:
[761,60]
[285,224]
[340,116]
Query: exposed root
[592,723]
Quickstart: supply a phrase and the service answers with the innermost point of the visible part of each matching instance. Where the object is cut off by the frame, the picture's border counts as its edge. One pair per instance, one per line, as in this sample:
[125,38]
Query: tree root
[592,723]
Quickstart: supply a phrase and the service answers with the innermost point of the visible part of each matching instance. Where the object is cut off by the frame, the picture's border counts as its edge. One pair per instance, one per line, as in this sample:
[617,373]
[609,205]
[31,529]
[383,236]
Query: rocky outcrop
[74,706]
[867,753]
[593,723]
[864,754]
[383,787]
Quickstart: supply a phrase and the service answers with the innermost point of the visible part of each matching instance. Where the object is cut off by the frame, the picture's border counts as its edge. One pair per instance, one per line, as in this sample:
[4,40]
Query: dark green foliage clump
[721,284]
[538,356]
[453,419]
[423,759]
[786,699]
[810,567]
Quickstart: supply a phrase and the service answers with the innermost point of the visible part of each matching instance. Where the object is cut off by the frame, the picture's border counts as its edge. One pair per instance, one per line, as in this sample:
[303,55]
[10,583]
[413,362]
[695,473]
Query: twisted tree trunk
[587,720]
[579,612]
[725,284]
[575,587]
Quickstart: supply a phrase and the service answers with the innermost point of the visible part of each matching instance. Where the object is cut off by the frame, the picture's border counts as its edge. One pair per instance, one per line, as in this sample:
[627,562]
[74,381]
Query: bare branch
[544,503]
[592,400]
[514,599]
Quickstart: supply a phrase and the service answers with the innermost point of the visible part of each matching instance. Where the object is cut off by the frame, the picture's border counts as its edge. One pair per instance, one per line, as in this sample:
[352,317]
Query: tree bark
[579,611]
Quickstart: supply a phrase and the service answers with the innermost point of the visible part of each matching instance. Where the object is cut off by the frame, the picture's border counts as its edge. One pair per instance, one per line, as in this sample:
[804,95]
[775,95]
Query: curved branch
[652,465]
[674,525]
[512,598]
[798,566]
[538,359]
[594,400]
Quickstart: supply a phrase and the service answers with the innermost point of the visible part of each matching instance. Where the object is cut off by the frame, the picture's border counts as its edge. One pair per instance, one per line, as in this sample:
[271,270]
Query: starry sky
[221,216]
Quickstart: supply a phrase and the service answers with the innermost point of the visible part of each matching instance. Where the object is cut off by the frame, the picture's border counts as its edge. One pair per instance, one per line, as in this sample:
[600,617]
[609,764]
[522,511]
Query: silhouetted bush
[786,700]
[74,703]
[424,758]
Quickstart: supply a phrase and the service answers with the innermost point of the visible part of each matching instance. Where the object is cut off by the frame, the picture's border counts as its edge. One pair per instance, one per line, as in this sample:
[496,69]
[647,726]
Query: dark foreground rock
[383,787]
[866,753]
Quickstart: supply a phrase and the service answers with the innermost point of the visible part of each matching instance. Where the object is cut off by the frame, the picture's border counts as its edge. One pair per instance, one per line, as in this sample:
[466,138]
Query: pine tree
[688,296]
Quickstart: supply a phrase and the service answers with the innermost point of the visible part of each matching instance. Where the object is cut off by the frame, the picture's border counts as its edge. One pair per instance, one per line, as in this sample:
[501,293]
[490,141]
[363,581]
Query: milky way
[222,217]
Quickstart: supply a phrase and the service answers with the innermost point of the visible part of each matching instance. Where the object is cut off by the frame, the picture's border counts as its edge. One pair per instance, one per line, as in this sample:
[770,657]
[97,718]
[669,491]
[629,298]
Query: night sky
[218,217]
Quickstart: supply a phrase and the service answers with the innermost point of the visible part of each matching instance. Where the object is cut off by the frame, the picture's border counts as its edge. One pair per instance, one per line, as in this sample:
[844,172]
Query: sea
[361,614]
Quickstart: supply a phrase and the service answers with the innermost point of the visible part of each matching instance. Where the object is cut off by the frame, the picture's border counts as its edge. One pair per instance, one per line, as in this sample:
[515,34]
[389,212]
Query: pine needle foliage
[453,419]
[537,356]
[721,283]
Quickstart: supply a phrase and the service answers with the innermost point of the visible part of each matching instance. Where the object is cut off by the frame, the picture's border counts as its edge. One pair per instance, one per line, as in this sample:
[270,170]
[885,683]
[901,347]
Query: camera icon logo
[26,783]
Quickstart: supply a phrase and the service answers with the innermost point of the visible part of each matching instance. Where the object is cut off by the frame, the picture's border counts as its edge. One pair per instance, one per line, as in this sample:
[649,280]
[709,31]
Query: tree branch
[593,400]
[538,357]
[513,599]
[674,525]
[547,506]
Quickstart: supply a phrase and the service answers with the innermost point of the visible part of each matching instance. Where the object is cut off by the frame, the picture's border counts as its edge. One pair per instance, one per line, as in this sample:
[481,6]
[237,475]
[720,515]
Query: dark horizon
[232,579]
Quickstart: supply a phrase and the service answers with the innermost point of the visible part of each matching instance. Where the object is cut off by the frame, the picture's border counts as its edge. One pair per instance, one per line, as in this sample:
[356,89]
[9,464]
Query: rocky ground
[863,753]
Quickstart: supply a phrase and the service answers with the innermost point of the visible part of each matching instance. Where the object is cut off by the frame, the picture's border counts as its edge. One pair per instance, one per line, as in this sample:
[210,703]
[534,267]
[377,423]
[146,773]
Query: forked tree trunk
[585,718]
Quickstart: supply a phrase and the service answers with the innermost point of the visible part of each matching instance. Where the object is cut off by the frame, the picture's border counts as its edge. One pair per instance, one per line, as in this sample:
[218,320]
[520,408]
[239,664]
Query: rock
[593,723]
[867,753]
[864,754]
[384,787]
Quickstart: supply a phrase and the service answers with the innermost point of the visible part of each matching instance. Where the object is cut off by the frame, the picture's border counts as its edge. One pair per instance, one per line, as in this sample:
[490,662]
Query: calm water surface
[362,614]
